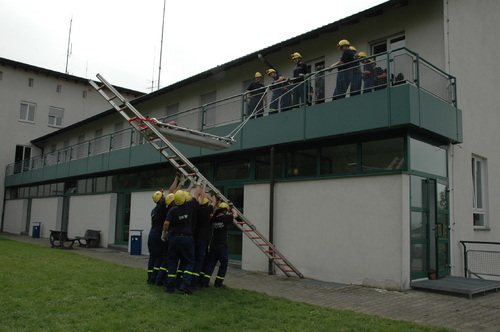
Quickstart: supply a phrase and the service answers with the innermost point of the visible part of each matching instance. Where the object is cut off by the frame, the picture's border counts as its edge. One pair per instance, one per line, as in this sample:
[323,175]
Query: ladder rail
[241,222]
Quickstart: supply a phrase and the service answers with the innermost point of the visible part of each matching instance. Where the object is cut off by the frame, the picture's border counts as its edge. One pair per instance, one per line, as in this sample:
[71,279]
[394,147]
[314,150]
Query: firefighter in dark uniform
[180,225]
[218,245]
[344,65]
[155,244]
[300,91]
[202,235]
[162,273]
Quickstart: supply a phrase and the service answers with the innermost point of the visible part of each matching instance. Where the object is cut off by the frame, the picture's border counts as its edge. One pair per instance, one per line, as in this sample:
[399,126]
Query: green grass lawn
[55,290]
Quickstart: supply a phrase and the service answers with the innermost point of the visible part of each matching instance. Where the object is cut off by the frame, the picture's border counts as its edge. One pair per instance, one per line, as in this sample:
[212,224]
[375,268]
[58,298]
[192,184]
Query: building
[35,102]
[375,189]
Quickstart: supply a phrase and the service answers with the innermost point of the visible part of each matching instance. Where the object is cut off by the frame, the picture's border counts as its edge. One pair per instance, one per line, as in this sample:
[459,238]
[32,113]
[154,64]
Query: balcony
[416,95]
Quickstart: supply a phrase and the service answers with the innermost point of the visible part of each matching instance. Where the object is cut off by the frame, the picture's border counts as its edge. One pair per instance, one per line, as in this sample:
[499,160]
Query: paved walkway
[482,313]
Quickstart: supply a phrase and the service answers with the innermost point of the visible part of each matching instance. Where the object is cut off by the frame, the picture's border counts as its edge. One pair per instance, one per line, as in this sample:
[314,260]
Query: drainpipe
[271,207]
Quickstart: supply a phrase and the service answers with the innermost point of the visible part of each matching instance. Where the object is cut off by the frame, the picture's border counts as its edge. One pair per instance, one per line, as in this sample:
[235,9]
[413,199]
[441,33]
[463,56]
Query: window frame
[479,186]
[51,115]
[27,117]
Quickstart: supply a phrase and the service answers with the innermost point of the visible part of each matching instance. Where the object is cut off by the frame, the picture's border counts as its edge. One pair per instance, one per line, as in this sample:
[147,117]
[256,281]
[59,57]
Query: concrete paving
[482,313]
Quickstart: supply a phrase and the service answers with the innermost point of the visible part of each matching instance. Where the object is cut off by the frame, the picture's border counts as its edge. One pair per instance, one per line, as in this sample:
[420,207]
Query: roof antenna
[68,54]
[161,45]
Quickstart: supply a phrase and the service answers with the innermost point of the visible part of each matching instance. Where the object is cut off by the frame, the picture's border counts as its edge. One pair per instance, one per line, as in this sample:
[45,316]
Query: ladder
[150,131]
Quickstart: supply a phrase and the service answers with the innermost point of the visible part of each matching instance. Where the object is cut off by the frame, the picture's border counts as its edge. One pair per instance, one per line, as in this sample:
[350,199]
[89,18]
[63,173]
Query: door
[234,236]
[429,232]
[122,218]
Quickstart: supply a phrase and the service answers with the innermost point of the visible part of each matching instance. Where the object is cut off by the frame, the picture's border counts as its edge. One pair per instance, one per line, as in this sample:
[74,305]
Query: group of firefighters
[188,237]
[353,70]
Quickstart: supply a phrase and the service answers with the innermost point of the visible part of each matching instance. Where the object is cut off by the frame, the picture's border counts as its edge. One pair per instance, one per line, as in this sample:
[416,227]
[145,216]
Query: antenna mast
[69,43]
[161,44]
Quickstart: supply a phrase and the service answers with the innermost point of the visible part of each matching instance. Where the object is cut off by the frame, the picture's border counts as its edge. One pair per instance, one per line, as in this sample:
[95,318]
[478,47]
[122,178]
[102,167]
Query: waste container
[136,242]
[36,230]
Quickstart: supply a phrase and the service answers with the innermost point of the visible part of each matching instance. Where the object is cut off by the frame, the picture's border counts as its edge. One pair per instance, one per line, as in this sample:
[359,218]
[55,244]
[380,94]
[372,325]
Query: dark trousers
[200,253]
[344,79]
[155,247]
[356,82]
[218,253]
[256,103]
[180,249]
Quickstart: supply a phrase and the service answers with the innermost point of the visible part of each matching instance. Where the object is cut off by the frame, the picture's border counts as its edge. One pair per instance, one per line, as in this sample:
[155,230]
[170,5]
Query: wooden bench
[60,239]
[91,238]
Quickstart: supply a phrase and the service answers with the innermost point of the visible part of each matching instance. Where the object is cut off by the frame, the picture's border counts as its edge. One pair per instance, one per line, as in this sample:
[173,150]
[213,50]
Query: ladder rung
[241,222]
[182,166]
[248,230]
[262,244]
[114,97]
[270,251]
[255,237]
[167,147]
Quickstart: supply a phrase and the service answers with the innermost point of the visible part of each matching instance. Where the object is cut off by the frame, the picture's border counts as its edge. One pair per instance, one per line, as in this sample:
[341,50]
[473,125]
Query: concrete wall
[48,211]
[15,214]
[472,23]
[353,230]
[93,212]
[141,205]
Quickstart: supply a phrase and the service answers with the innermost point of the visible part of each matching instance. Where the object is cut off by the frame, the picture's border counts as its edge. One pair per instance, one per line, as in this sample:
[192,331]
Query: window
[22,158]
[59,88]
[478,184]
[232,170]
[31,82]
[301,163]
[386,154]
[339,159]
[56,116]
[80,147]
[27,112]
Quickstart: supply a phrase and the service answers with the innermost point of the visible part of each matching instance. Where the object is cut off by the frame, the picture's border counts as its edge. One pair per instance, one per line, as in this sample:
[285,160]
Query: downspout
[271,207]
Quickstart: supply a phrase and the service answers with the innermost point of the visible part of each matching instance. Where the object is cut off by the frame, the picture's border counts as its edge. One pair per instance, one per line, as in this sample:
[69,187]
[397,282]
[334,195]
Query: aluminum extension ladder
[149,130]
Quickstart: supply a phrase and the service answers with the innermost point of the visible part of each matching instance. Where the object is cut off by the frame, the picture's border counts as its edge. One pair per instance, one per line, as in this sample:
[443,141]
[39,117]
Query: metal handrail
[466,261]
[387,57]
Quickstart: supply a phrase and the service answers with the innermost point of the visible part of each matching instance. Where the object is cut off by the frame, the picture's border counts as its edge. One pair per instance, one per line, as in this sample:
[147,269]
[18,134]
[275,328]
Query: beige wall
[96,212]
[353,231]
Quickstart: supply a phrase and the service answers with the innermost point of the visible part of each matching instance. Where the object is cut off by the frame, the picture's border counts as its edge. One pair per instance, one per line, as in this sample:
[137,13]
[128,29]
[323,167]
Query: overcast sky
[121,39]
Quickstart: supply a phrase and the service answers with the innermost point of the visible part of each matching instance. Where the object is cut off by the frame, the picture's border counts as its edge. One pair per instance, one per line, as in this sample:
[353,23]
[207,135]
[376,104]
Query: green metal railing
[402,66]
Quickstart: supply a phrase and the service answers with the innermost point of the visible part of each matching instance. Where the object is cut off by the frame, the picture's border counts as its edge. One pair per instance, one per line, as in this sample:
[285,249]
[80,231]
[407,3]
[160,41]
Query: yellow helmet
[269,71]
[362,55]
[296,55]
[343,42]
[223,205]
[169,199]
[352,48]
[180,197]
[188,195]
[258,74]
[157,196]
[205,200]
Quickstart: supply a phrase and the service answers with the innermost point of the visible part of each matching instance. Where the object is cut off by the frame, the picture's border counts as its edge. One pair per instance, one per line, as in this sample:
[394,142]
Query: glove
[164,236]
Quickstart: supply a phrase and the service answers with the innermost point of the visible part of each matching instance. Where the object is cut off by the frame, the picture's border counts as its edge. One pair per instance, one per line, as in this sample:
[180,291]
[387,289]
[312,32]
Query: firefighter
[255,97]
[356,74]
[344,65]
[155,244]
[223,217]
[299,90]
[202,235]
[179,224]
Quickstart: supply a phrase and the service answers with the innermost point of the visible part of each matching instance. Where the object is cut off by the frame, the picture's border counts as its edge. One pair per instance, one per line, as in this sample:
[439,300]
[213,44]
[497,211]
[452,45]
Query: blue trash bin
[136,242]
[36,230]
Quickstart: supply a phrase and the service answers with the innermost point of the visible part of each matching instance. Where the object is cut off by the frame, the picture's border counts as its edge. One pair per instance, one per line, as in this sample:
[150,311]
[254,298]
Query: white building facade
[374,189]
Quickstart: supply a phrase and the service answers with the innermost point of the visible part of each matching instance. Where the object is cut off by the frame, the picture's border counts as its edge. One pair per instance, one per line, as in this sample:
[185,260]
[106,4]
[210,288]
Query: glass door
[123,218]
[429,230]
